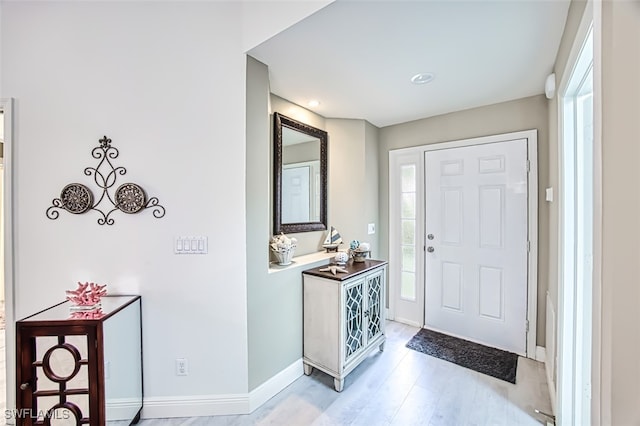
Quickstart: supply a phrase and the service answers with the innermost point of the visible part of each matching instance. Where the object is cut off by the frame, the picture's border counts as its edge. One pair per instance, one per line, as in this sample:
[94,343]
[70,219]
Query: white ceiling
[357,57]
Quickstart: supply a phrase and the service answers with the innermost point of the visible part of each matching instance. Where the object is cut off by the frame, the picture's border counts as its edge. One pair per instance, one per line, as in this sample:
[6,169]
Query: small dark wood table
[83,366]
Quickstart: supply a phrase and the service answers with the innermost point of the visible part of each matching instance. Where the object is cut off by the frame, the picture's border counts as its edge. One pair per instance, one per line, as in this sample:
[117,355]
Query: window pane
[408,259]
[408,232]
[409,206]
[408,174]
[408,286]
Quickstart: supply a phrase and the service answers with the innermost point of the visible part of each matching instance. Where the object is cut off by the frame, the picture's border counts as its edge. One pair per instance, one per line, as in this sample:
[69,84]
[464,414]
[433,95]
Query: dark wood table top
[353,268]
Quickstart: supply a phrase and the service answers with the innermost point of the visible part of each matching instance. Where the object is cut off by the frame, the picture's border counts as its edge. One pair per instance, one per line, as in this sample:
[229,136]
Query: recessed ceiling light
[313,103]
[422,78]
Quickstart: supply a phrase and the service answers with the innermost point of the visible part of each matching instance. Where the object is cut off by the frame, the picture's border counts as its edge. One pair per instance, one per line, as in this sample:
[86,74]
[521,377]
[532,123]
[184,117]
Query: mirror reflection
[123,365]
[300,178]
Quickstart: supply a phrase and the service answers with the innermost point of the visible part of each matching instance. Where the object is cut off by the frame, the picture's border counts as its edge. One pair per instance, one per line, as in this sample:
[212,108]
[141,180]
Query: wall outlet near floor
[371,228]
[182,367]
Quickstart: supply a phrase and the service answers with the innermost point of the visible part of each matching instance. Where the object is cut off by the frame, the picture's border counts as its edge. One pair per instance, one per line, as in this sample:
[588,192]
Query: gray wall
[521,114]
[353,180]
[261,291]
[576,10]
[372,188]
[620,320]
[274,300]
[615,388]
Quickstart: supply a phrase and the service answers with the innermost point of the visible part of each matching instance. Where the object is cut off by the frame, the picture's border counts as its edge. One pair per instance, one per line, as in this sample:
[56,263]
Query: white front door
[476,259]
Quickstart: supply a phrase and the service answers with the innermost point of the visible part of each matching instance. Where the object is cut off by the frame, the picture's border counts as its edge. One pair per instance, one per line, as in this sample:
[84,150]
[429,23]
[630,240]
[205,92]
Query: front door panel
[476,265]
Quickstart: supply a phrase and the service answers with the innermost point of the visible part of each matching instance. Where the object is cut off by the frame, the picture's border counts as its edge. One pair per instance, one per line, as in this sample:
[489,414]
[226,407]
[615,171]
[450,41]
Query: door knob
[430,249]
[25,385]
[430,236]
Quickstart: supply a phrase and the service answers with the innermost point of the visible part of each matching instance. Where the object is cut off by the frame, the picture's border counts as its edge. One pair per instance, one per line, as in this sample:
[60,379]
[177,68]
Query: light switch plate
[549,194]
[371,228]
[191,245]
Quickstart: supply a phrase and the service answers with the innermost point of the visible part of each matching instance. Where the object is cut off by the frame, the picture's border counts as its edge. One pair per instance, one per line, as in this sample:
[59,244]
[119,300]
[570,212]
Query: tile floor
[399,387]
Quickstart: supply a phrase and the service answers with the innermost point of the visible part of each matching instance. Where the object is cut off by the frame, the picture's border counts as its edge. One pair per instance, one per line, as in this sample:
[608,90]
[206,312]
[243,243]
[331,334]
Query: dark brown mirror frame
[280,121]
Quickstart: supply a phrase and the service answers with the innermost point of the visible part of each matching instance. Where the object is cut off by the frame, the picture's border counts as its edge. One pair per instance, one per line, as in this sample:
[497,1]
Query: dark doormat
[483,359]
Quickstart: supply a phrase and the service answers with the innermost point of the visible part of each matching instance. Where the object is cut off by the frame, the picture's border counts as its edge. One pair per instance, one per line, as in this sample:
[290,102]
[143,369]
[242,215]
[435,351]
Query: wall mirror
[300,176]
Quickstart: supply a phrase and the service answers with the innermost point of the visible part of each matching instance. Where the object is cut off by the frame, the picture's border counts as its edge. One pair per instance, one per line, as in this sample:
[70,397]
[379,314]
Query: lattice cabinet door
[354,318]
[374,311]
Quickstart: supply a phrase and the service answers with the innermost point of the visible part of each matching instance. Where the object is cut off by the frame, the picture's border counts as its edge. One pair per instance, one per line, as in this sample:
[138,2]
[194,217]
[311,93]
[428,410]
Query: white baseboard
[195,406]
[541,353]
[551,351]
[408,322]
[220,405]
[271,387]
[552,392]
[122,408]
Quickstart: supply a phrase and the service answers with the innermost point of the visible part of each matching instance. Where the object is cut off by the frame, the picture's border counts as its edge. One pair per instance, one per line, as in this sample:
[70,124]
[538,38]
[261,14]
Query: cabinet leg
[307,369]
[381,348]
[338,384]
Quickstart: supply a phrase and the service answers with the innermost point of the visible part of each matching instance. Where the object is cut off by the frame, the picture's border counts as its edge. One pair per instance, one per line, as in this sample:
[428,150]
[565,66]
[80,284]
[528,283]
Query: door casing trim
[7,107]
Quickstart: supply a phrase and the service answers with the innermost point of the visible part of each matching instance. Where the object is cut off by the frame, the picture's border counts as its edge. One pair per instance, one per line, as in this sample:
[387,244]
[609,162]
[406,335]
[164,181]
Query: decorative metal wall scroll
[128,198]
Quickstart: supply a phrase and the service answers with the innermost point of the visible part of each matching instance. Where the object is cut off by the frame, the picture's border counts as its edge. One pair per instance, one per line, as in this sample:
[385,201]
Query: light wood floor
[399,387]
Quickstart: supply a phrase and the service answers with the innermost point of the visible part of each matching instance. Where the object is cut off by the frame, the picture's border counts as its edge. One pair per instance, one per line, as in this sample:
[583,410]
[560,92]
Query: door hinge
[528,166]
[528,246]
[527,325]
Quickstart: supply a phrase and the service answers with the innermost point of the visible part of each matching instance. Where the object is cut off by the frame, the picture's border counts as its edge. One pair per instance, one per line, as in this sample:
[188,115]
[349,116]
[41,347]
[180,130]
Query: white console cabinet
[343,317]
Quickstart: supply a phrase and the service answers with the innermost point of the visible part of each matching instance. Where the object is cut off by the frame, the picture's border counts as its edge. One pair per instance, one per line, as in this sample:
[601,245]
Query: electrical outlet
[182,367]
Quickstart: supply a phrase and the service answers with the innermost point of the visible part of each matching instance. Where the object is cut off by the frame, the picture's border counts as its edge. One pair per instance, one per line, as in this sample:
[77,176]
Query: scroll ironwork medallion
[129,198]
[76,198]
